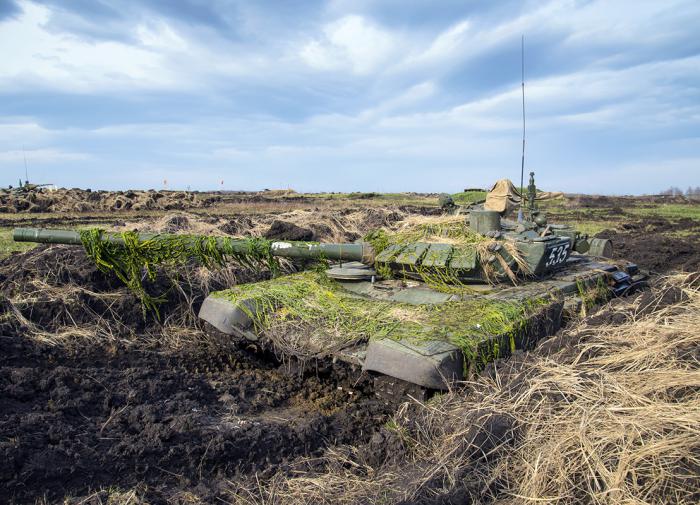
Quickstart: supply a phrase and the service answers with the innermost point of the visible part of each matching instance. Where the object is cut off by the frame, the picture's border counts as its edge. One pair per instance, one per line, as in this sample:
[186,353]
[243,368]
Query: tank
[26,187]
[417,311]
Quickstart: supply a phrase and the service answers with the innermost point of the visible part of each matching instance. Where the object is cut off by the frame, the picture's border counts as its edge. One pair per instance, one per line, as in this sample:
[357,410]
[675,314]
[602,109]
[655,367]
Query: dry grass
[613,417]
[455,230]
[331,226]
[109,496]
[622,417]
[102,328]
[53,310]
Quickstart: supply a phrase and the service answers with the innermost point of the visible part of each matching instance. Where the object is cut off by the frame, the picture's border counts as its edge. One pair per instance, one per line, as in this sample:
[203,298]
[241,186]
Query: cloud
[154,55]
[8,8]
[352,44]
[17,131]
[358,95]
[40,156]
[655,175]
[41,59]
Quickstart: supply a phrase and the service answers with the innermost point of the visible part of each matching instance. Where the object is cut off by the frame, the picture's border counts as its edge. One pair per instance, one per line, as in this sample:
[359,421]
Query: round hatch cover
[352,271]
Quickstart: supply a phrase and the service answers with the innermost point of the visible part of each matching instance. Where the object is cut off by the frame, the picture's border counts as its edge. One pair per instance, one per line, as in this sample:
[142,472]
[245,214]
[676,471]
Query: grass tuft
[135,259]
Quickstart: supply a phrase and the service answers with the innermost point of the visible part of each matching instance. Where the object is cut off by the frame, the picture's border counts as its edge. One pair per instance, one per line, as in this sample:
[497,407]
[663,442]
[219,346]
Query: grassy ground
[419,199]
[8,246]
[610,417]
[467,197]
[667,210]
[616,212]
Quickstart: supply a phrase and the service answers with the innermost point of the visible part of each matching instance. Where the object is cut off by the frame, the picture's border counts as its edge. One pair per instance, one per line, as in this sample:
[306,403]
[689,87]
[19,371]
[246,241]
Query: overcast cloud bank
[350,95]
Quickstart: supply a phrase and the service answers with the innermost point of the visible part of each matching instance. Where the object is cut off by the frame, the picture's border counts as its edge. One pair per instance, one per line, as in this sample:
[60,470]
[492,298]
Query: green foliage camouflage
[452,230]
[133,259]
[310,302]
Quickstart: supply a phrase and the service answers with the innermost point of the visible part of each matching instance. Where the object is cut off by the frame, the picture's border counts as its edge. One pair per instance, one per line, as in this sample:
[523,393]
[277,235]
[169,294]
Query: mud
[283,230]
[106,417]
[125,407]
[55,288]
[657,244]
[577,201]
[76,200]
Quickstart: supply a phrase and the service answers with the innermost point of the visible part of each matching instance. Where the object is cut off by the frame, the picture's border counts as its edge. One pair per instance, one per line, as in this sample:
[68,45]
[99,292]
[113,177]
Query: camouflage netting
[504,197]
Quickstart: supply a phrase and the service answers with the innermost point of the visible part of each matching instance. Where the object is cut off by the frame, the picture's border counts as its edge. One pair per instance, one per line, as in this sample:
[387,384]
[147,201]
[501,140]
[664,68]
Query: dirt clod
[283,230]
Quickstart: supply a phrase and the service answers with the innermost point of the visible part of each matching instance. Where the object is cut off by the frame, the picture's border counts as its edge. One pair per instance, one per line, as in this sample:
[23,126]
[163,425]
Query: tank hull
[434,361]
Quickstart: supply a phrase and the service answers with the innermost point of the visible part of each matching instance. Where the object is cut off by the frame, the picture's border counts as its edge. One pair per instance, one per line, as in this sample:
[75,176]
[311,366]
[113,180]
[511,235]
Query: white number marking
[557,254]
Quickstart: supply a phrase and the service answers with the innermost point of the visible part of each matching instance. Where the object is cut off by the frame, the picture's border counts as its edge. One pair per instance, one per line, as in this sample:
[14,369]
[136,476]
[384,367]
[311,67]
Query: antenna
[522,160]
[26,173]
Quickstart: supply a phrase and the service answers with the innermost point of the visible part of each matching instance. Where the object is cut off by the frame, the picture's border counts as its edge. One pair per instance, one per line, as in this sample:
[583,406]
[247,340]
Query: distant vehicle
[27,187]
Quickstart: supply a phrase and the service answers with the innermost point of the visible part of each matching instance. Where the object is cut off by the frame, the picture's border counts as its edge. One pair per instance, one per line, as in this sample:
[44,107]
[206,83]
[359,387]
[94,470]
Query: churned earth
[95,395]
[104,417]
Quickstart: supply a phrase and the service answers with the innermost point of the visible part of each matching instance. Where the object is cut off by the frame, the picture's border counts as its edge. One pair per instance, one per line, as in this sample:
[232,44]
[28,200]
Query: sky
[350,95]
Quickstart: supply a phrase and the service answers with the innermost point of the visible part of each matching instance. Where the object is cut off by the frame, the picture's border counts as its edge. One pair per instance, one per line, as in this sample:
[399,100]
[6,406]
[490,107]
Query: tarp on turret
[504,197]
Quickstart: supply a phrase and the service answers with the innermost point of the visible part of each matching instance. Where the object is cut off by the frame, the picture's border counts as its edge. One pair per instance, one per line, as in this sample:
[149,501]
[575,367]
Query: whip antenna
[26,173]
[522,160]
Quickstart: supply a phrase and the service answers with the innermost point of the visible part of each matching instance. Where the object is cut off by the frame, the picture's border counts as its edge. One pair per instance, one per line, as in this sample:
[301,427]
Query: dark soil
[648,243]
[602,201]
[104,417]
[283,230]
[59,286]
[81,200]
[656,244]
[136,412]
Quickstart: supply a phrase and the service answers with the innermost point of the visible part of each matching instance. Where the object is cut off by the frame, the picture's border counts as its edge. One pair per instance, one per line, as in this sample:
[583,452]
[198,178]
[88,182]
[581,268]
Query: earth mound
[84,200]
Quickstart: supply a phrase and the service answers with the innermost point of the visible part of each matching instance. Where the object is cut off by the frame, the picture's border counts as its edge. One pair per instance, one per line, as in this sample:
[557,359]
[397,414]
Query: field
[100,403]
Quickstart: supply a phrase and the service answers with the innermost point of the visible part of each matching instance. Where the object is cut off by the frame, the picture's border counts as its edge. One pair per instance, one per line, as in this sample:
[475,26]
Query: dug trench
[129,410]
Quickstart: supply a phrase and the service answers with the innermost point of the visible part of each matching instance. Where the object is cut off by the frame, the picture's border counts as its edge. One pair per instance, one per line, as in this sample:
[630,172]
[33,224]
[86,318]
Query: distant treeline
[675,191]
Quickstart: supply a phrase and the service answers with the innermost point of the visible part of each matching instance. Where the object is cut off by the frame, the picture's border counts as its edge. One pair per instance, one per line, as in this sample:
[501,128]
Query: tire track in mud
[106,417]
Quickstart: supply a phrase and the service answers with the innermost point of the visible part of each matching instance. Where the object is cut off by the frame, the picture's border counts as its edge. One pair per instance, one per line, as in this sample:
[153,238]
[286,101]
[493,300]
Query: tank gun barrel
[509,254]
[284,249]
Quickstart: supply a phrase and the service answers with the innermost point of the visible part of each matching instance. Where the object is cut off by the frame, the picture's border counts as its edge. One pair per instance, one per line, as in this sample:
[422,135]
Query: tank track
[391,390]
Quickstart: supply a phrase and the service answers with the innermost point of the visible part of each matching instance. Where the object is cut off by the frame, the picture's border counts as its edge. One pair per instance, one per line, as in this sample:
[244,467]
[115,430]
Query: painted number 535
[557,254]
